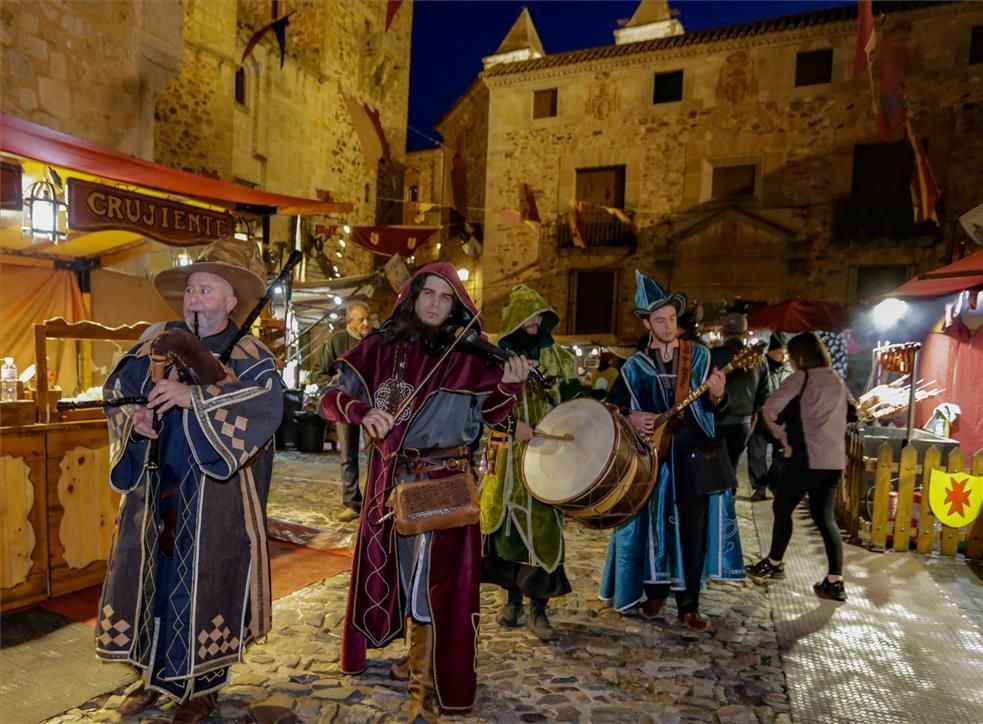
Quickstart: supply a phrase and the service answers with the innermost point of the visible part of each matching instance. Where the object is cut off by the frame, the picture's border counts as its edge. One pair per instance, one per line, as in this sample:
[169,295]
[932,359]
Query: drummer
[523,548]
[688,531]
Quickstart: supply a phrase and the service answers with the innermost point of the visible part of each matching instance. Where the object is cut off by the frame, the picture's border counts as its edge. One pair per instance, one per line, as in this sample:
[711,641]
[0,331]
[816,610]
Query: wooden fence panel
[906,491]
[950,536]
[882,496]
[926,524]
[974,541]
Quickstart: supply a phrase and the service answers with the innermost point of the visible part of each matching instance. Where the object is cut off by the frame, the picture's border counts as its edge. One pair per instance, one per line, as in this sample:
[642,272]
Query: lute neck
[692,397]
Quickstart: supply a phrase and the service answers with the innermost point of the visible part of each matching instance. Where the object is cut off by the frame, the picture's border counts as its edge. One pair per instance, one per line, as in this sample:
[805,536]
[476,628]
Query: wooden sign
[94,207]
[10,186]
[396,273]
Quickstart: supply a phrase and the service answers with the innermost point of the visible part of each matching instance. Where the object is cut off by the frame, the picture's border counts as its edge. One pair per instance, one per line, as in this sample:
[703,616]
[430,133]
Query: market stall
[68,209]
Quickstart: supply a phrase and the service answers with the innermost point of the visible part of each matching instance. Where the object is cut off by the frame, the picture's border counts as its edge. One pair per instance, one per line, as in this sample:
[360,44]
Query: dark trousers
[821,487]
[351,496]
[757,458]
[735,437]
[693,518]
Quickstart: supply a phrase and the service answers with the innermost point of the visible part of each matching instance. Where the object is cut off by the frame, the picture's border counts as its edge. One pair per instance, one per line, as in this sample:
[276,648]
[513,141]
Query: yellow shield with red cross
[956,498]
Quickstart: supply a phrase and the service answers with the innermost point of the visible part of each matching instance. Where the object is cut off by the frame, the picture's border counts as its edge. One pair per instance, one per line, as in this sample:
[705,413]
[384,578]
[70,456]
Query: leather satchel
[421,506]
[704,470]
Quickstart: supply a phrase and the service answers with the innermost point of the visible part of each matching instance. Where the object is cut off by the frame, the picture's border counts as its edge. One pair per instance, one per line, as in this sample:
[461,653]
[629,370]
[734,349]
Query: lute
[667,422]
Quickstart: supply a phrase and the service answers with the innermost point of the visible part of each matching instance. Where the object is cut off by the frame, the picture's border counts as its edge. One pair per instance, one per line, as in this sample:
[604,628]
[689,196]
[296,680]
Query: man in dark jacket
[757,447]
[338,344]
[746,389]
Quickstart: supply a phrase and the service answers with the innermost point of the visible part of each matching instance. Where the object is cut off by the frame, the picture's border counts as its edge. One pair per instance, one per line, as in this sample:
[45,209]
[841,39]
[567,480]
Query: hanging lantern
[244,229]
[45,213]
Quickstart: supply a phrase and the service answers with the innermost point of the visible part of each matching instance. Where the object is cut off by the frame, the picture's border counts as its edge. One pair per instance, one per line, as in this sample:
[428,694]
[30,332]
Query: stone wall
[89,69]
[293,134]
[740,105]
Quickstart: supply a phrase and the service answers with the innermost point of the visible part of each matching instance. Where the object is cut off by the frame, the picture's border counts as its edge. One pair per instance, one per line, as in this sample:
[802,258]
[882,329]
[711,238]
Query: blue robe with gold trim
[647,549]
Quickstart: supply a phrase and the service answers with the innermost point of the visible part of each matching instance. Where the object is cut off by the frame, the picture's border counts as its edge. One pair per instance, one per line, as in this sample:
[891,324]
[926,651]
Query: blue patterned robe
[184,619]
[647,549]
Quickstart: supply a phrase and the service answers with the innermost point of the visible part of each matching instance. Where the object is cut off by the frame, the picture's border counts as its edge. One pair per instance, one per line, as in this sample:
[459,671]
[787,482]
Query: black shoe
[829,590]
[538,623]
[765,569]
[512,611]
[758,495]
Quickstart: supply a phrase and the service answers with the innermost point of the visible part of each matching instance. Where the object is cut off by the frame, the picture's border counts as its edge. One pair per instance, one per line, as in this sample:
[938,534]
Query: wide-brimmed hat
[649,296]
[734,325]
[237,262]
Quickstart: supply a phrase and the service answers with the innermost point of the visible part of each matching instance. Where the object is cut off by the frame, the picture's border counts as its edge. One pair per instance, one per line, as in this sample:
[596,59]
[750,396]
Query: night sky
[450,37]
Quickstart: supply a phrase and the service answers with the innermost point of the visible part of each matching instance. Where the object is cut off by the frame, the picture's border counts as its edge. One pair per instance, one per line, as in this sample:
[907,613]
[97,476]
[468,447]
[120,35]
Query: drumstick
[546,436]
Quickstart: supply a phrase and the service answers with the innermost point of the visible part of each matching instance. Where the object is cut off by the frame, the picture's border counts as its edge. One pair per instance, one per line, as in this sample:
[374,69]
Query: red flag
[389,240]
[368,128]
[392,7]
[527,204]
[925,192]
[866,36]
[892,116]
[576,223]
[279,28]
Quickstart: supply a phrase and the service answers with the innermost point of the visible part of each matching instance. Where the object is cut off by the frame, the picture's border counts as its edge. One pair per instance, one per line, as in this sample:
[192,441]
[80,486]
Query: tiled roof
[711,35]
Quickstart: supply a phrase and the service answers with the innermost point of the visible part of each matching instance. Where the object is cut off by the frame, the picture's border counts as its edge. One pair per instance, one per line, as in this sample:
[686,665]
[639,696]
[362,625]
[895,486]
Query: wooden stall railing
[901,534]
[58,328]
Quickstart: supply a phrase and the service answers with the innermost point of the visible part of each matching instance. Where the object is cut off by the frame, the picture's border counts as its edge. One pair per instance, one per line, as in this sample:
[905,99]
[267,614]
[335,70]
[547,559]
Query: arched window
[240,86]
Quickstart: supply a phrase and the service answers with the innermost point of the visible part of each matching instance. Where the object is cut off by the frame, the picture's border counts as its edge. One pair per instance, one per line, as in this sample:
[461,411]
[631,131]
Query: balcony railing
[855,219]
[600,229]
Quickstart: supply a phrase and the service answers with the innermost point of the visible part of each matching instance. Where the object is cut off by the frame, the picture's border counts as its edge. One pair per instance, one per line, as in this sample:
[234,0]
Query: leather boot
[538,623]
[512,610]
[424,706]
[195,710]
[400,670]
[138,700]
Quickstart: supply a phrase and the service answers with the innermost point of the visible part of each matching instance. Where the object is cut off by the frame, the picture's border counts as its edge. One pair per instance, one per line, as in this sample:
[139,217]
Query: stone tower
[521,43]
[652,19]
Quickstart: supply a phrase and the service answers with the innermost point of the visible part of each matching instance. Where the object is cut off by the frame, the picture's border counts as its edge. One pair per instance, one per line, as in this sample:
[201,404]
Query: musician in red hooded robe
[431,578]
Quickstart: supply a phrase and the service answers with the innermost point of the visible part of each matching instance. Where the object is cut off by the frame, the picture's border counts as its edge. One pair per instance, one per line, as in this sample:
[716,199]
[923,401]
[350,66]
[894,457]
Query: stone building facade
[746,156]
[161,79]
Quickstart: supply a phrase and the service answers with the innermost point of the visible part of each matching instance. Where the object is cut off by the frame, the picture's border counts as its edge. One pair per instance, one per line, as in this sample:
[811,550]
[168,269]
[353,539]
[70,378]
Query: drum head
[556,471]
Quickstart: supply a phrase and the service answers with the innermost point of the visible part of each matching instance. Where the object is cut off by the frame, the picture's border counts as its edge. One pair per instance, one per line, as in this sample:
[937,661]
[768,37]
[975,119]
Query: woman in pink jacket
[807,414]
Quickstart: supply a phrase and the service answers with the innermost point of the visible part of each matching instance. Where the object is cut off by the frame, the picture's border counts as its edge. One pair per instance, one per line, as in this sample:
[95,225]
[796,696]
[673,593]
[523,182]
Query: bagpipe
[194,363]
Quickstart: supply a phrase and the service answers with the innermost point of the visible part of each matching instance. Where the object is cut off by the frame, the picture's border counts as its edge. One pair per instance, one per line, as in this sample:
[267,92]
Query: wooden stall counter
[57,511]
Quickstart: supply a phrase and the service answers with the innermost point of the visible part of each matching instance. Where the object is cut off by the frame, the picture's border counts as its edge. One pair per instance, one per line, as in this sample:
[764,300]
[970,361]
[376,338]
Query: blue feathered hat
[649,296]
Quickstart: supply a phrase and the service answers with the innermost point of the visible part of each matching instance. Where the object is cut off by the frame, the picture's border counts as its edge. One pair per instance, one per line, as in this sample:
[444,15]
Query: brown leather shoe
[651,606]
[695,622]
[195,710]
[140,699]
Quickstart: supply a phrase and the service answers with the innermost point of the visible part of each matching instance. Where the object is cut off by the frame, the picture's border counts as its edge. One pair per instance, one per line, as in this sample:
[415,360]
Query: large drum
[602,477]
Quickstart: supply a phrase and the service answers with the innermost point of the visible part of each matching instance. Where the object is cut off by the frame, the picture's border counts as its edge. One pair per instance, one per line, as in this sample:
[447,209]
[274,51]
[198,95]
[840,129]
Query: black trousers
[351,496]
[758,469]
[821,487]
[693,520]
[735,437]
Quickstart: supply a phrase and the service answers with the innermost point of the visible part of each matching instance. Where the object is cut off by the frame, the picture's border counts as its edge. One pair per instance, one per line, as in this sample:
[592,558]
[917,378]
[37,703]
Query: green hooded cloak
[521,528]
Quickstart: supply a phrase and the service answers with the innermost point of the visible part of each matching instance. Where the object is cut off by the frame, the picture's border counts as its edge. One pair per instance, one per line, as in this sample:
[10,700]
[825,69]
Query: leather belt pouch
[435,504]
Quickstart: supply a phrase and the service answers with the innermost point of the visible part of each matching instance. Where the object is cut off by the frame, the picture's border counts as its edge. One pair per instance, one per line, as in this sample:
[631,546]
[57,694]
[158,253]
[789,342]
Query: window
[601,186]
[414,193]
[733,182]
[240,89]
[873,281]
[976,45]
[544,103]
[593,296]
[668,87]
[814,67]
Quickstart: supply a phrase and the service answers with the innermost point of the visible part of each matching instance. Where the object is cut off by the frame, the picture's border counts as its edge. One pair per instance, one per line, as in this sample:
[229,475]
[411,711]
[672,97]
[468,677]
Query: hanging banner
[955,497]
[94,207]
[389,240]
[10,186]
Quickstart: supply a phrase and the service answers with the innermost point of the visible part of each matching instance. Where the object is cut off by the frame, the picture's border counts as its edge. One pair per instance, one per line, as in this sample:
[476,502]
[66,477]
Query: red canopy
[59,149]
[799,315]
[963,274]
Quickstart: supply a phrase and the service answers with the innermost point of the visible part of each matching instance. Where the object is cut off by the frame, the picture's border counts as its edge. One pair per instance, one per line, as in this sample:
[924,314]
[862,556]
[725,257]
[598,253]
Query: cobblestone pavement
[604,668]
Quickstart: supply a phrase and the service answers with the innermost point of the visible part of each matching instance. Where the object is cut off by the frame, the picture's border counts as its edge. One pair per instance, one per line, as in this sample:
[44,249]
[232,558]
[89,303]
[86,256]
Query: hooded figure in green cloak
[523,551]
